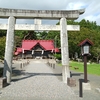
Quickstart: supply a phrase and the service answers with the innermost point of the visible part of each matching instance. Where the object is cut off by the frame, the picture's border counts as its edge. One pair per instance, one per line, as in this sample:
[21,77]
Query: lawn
[92,68]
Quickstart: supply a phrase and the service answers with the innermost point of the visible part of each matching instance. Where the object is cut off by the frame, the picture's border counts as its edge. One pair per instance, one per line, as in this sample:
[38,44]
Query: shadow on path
[75,74]
[16,72]
[28,75]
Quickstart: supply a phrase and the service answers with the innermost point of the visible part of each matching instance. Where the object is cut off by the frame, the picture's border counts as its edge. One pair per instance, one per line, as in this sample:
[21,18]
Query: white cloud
[93,18]
[74,6]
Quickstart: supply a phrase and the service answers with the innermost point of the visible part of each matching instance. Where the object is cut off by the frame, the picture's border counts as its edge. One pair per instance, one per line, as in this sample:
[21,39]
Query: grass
[92,68]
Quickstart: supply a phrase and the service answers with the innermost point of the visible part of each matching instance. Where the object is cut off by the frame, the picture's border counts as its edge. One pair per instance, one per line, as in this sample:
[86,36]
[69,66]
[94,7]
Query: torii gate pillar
[64,50]
[9,49]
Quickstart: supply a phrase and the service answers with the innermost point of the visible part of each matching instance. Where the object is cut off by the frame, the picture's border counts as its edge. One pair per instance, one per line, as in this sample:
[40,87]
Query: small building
[36,49]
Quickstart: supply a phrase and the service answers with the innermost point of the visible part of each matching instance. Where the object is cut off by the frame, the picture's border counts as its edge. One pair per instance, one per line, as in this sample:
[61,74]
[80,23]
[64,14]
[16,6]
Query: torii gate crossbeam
[40,27]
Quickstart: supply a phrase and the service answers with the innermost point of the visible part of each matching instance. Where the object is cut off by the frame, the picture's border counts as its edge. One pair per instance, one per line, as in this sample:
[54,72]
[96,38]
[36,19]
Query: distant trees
[2,43]
[24,35]
[2,46]
[87,30]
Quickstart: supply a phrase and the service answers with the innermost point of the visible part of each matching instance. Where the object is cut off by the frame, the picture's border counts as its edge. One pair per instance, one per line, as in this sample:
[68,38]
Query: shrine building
[36,49]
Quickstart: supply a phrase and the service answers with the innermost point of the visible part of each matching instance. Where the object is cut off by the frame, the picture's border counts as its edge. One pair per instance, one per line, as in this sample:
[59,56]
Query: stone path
[38,82]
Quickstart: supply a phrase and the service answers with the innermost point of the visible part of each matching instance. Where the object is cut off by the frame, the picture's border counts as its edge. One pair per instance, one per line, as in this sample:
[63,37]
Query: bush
[57,56]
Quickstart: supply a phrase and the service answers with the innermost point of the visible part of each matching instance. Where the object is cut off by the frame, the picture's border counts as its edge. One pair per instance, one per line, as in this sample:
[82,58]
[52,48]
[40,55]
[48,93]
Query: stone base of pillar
[71,82]
[86,86]
[3,82]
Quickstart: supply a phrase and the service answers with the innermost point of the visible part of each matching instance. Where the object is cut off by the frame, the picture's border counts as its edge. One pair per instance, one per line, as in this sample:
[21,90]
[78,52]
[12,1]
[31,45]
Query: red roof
[85,41]
[56,50]
[30,44]
[19,50]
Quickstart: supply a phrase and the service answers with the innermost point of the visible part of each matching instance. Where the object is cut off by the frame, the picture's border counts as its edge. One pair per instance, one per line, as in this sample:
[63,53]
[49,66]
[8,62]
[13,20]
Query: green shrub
[57,56]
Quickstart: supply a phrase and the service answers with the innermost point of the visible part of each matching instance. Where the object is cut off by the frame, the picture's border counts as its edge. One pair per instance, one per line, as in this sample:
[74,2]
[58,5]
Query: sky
[92,8]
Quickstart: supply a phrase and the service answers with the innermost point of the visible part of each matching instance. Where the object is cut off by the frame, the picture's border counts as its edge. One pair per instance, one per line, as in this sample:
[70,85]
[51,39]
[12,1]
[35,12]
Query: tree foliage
[2,46]
[24,35]
[87,30]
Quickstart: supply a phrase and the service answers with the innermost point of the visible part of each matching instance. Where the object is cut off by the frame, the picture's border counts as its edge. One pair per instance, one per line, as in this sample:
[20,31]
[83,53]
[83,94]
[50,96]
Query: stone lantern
[85,48]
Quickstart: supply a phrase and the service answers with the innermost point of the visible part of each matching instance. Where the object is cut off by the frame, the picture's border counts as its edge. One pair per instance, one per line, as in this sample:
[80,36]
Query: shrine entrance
[62,15]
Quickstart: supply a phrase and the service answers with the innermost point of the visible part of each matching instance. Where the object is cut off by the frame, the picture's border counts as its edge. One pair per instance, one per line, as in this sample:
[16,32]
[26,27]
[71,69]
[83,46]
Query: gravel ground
[37,81]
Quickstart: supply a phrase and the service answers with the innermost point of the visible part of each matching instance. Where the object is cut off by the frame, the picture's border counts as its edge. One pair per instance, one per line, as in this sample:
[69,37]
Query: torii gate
[62,15]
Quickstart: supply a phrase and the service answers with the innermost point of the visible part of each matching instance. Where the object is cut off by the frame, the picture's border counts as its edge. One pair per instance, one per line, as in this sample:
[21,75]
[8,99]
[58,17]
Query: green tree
[24,35]
[41,35]
[54,35]
[2,33]
[2,46]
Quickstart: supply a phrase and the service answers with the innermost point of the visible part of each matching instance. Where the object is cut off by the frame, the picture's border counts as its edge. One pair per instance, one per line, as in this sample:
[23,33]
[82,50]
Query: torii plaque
[63,15]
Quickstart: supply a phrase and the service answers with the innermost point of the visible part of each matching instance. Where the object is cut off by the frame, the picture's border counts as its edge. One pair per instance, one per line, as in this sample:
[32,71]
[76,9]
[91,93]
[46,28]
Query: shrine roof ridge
[37,40]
